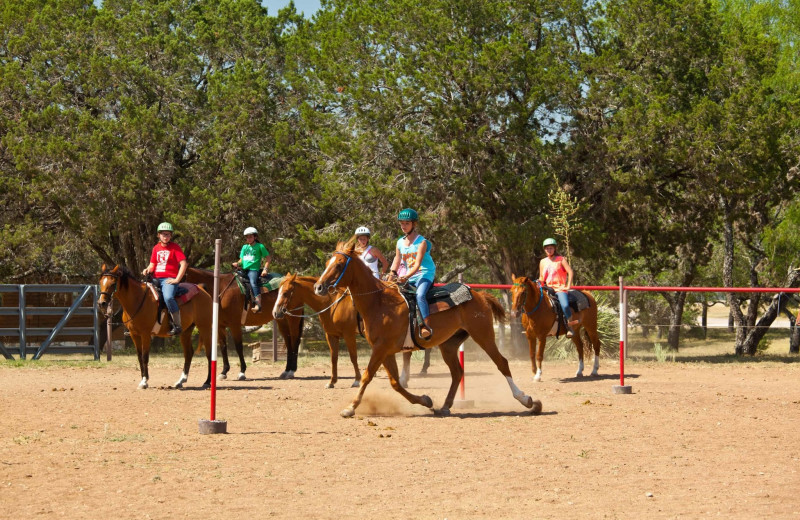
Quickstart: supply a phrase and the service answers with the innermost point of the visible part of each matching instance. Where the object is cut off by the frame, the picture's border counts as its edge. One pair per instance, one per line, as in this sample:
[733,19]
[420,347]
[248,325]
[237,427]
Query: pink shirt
[554,274]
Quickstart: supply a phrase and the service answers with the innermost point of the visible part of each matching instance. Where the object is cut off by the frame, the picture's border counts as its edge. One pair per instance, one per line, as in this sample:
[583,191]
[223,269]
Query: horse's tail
[497,308]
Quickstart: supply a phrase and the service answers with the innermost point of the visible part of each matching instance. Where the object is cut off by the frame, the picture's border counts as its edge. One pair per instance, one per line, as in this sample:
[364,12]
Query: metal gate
[27,326]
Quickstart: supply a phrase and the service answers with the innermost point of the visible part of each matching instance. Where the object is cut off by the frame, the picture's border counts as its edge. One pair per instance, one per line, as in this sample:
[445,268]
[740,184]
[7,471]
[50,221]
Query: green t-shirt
[251,255]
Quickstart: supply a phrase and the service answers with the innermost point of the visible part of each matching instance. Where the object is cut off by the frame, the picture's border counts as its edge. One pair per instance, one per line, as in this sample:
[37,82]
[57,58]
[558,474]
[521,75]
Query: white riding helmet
[250,231]
[363,230]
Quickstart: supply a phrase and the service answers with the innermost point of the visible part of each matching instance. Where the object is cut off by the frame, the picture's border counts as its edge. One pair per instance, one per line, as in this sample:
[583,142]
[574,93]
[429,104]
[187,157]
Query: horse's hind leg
[236,333]
[333,346]
[188,352]
[578,342]
[595,341]
[352,349]
[426,363]
[222,343]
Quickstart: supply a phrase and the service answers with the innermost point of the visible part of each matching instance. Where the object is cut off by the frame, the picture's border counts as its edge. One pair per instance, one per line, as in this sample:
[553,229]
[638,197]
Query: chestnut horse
[231,311]
[140,306]
[539,319]
[336,313]
[385,315]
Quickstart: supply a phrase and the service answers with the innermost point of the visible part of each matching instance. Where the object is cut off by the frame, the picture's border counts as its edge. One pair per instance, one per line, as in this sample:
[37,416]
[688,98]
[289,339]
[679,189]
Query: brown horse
[539,320]
[336,313]
[386,326]
[140,306]
[232,316]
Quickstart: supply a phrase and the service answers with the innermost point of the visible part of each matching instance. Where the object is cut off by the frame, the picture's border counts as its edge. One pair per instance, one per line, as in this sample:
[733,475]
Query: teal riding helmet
[549,242]
[408,214]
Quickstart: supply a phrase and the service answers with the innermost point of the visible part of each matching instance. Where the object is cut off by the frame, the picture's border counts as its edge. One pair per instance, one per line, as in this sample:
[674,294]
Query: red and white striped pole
[623,328]
[212,425]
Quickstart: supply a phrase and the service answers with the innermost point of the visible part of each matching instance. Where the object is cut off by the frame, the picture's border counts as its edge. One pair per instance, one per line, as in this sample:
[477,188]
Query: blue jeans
[564,301]
[168,290]
[422,286]
[252,275]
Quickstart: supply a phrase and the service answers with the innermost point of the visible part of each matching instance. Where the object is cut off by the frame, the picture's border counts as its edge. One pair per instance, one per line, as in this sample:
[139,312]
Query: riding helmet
[408,214]
[250,231]
[549,242]
[363,230]
[165,226]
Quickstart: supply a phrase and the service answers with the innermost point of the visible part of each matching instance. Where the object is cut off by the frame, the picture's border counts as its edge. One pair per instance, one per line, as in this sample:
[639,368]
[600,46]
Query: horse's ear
[513,276]
[103,269]
[116,269]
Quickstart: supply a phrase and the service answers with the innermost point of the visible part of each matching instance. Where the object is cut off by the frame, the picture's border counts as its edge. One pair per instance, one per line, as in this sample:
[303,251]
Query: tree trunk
[676,305]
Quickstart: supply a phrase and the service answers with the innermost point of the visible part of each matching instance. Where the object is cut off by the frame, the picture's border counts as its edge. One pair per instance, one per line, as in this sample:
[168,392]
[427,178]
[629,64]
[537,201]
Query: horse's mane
[348,247]
[125,275]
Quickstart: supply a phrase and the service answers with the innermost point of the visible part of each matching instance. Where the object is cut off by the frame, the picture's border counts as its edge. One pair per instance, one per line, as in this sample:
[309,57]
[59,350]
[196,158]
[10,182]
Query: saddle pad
[191,291]
[577,300]
[450,295]
[275,280]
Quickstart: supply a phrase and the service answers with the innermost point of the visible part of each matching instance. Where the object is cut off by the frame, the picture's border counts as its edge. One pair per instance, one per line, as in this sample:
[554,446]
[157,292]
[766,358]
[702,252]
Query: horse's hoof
[595,374]
[223,377]
[347,412]
[423,372]
[529,402]
[241,377]
[578,374]
[356,383]
[178,385]
[142,386]
[206,385]
[536,409]
[329,386]
[284,375]
[289,374]
[537,378]
[426,401]
[444,412]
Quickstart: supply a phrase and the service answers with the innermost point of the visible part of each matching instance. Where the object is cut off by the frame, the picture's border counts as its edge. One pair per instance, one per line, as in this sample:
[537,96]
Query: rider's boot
[176,323]
[425,330]
[570,332]
[257,307]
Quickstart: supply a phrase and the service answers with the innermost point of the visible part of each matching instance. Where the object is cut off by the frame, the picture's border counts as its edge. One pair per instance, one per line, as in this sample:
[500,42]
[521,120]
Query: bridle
[343,270]
[525,295]
[113,289]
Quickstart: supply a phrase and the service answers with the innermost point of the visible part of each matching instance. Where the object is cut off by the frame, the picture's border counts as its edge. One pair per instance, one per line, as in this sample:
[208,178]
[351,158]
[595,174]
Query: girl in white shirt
[370,255]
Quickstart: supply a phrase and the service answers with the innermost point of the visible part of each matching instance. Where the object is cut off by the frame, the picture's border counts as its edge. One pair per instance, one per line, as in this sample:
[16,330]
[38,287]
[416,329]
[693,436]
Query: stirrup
[427,329]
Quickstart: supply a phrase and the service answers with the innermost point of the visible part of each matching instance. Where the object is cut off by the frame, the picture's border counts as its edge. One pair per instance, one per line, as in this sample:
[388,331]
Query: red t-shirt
[167,260]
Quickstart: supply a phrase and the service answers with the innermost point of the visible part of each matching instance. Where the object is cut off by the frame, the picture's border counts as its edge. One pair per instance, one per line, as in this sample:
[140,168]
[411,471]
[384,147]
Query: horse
[386,325]
[140,307]
[539,320]
[232,316]
[336,313]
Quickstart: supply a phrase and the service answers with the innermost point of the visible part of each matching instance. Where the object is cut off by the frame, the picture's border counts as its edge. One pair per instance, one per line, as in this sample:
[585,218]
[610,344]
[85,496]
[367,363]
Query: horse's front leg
[405,375]
[390,364]
[142,342]
[375,361]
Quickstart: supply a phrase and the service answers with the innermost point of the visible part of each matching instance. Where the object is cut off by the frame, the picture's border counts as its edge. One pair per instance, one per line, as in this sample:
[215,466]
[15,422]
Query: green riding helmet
[408,214]
[165,226]
[549,242]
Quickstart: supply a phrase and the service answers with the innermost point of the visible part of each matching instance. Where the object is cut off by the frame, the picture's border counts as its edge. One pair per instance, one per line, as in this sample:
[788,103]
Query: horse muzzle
[515,313]
[279,313]
[319,289]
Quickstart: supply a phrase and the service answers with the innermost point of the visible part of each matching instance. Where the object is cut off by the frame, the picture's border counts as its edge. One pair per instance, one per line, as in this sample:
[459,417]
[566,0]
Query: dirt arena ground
[694,440]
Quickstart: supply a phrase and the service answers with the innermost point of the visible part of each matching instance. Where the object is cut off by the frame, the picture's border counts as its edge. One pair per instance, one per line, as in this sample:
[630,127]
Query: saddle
[439,299]
[183,294]
[271,282]
[577,300]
